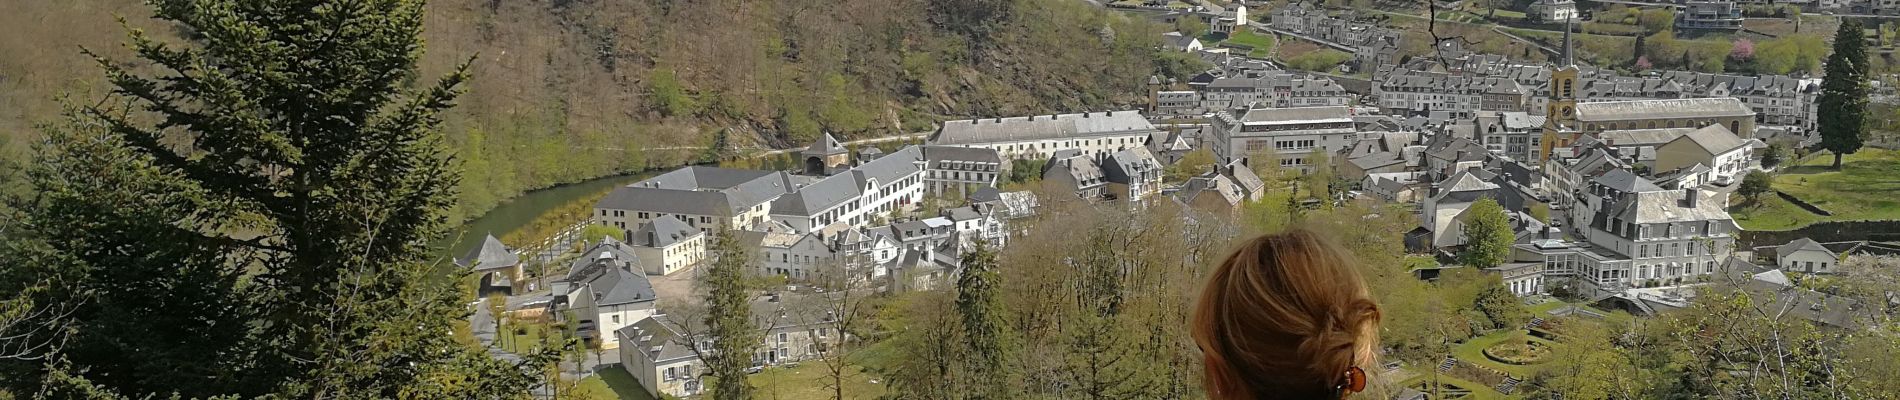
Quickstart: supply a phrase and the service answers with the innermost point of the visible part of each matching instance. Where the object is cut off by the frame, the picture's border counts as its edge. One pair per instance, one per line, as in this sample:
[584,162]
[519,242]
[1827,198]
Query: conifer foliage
[247,214]
[1844,93]
[728,319]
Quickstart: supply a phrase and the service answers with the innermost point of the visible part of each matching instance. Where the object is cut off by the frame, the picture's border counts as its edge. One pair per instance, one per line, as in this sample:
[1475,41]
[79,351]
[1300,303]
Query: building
[1211,193]
[1443,211]
[826,156]
[1669,235]
[1275,89]
[1548,11]
[1133,175]
[1291,134]
[1513,134]
[1075,172]
[1726,156]
[497,265]
[604,291]
[705,198]
[1710,15]
[666,245]
[1806,256]
[1573,120]
[1041,136]
[1179,42]
[661,357]
[792,254]
[660,349]
[958,171]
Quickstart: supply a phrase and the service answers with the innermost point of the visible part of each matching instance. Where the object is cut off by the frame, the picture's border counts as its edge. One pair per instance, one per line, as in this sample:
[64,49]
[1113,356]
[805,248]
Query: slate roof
[1040,127]
[1243,176]
[662,232]
[826,145]
[700,190]
[612,284]
[1715,139]
[490,254]
[1661,109]
[1211,185]
[819,196]
[607,253]
[1799,245]
[1623,181]
[1667,206]
[1294,115]
[1642,137]
[656,336]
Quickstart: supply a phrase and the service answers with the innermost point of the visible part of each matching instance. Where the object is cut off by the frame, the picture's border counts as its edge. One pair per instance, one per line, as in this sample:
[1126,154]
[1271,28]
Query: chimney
[1032,117]
[999,120]
[1689,197]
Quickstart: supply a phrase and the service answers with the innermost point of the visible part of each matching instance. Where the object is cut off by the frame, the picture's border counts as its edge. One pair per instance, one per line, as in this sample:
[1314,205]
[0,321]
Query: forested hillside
[565,90]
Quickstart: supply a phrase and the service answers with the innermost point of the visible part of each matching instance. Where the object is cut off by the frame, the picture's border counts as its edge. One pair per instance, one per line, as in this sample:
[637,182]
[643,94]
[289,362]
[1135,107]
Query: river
[522,210]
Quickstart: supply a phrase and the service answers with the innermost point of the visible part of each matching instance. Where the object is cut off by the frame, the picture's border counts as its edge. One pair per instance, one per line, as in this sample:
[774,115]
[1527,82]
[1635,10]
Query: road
[850,143]
[1670,5]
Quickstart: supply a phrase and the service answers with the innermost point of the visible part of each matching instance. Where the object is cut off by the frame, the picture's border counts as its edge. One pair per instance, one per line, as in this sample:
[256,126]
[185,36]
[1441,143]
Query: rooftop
[1040,127]
[1663,109]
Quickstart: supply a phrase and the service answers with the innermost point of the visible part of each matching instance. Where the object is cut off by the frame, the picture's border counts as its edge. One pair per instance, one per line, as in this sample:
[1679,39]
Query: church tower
[1560,116]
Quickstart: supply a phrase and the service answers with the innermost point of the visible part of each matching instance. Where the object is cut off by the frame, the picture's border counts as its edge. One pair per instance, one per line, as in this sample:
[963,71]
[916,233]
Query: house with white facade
[660,349]
[604,290]
[1806,256]
[1039,137]
[1726,155]
[705,198]
[1290,133]
[661,357]
[666,245]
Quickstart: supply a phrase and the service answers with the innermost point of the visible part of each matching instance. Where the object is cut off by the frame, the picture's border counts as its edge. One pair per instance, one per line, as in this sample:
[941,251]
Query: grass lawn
[613,383]
[808,380]
[1769,213]
[1260,45]
[1862,190]
[1478,392]
[1472,351]
[1542,309]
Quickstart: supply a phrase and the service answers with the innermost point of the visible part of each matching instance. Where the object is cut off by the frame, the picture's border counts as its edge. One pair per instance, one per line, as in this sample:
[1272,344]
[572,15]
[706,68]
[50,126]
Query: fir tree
[1844,93]
[253,219]
[728,319]
[980,304]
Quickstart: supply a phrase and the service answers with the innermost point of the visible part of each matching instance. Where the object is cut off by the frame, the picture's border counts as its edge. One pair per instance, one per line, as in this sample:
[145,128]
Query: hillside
[565,90]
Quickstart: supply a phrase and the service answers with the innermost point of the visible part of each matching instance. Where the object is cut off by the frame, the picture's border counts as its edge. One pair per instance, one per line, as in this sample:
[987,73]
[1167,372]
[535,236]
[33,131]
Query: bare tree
[29,331]
[837,314]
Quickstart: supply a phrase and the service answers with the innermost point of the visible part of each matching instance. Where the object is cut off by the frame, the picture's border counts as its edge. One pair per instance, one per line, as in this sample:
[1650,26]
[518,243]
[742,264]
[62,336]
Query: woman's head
[1284,317]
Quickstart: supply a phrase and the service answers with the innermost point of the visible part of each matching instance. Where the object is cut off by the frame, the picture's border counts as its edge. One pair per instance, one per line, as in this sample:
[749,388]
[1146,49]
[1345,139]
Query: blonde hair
[1284,316]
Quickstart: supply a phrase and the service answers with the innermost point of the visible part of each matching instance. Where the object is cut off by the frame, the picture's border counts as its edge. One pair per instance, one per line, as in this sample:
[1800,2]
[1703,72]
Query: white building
[604,291]
[666,245]
[1290,133]
[705,198]
[1041,136]
[1552,11]
[1807,256]
[1726,155]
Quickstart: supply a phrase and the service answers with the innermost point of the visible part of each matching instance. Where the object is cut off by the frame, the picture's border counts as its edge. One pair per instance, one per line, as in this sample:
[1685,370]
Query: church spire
[1568,57]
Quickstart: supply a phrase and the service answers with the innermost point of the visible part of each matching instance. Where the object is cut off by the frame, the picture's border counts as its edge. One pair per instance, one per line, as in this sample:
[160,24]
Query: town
[936,199]
[1611,190]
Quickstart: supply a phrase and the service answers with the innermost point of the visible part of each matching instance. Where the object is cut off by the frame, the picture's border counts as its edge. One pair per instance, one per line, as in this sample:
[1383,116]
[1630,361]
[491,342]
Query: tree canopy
[1843,102]
[253,220]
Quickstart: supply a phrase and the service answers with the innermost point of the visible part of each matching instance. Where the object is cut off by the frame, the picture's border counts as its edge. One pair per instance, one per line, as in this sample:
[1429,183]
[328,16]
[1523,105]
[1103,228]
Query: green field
[612,383]
[1862,190]
[1472,351]
[1260,45]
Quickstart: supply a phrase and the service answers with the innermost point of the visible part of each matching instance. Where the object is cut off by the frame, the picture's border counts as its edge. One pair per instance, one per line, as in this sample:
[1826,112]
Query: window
[1810,265]
[823,331]
[781,337]
[1691,250]
[670,374]
[686,372]
[616,319]
[784,353]
[1642,272]
[1675,248]
[1642,251]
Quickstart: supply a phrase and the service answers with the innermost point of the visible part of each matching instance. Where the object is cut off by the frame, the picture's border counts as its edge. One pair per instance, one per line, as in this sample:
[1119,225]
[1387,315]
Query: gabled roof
[1623,180]
[1662,109]
[700,191]
[1715,139]
[656,337]
[662,232]
[490,254]
[1040,127]
[1800,245]
[1243,176]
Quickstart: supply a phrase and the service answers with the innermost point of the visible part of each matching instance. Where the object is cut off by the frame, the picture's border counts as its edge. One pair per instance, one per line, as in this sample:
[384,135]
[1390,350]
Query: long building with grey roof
[1041,136]
[1290,134]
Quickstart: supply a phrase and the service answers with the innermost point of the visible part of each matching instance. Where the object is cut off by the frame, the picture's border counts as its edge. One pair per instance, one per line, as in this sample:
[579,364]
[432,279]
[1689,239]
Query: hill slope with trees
[565,90]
